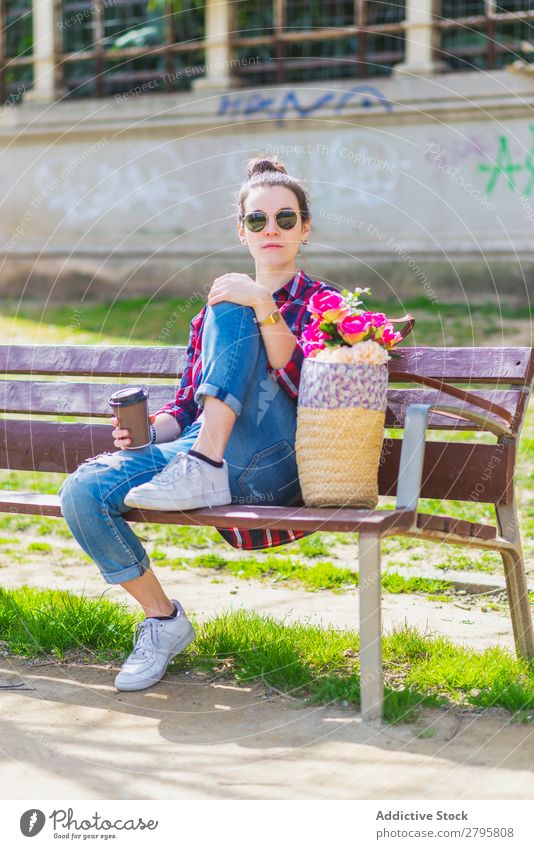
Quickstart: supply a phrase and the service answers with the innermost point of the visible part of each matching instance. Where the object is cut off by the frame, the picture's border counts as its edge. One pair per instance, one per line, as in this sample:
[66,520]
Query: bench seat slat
[247,516]
[275,518]
[455,471]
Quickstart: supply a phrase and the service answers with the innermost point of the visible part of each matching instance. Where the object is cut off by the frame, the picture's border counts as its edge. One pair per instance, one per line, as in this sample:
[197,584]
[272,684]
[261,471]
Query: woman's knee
[93,480]
[230,310]
[105,479]
[79,496]
[232,322]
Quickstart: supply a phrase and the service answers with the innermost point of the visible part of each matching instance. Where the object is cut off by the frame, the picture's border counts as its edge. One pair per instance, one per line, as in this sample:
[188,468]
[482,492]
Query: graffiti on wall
[140,188]
[280,106]
[516,172]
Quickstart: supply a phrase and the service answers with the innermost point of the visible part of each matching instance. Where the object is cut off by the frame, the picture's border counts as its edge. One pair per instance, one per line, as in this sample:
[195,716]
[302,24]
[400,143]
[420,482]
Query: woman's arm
[167,427]
[242,289]
[279,340]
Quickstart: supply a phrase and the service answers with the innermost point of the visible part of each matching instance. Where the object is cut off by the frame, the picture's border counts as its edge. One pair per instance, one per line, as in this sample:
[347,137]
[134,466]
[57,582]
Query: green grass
[153,321]
[324,575]
[488,562]
[43,547]
[149,322]
[320,665]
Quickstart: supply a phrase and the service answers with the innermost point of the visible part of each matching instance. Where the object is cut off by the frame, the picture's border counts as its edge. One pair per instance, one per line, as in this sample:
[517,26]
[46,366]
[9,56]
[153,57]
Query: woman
[229,435]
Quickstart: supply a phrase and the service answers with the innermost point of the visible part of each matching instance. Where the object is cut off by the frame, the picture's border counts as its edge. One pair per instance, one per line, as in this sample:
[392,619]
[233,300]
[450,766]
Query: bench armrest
[483,420]
[413,446]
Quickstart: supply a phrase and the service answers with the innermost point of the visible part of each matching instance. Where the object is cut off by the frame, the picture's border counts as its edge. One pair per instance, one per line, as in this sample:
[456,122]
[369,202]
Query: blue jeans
[260,452]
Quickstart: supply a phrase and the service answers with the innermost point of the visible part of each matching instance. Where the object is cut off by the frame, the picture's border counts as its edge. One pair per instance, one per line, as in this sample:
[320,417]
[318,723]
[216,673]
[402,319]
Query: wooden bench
[410,469]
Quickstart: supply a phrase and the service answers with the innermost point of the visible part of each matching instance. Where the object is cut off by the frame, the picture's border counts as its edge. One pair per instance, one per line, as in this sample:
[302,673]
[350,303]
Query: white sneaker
[185,483]
[156,642]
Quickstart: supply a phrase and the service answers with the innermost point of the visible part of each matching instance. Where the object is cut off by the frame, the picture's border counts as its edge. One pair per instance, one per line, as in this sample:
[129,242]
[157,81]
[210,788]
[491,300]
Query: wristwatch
[272,318]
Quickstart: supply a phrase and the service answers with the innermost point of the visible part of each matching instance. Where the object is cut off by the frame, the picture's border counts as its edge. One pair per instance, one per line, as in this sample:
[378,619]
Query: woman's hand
[239,289]
[122,435]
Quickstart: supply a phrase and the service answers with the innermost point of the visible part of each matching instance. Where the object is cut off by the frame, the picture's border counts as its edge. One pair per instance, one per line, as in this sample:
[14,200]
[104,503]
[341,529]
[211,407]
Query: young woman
[228,436]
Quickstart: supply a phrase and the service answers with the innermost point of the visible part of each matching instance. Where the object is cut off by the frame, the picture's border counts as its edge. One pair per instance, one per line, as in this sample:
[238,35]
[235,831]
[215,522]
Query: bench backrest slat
[92,360]
[91,399]
[70,399]
[467,365]
[457,471]
[460,365]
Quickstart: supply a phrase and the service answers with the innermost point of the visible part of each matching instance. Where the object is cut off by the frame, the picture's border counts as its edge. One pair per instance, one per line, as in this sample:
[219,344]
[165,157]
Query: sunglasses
[257,220]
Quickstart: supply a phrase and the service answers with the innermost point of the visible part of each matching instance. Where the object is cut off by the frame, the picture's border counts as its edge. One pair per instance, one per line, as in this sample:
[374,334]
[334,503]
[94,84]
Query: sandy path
[67,733]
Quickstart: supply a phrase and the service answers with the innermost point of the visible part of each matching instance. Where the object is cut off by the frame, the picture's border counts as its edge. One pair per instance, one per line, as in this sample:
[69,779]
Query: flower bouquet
[342,399]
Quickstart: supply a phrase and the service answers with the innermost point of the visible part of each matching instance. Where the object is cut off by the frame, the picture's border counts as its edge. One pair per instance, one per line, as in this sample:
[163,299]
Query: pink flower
[390,337]
[328,305]
[309,348]
[353,328]
[313,332]
[377,319]
[313,338]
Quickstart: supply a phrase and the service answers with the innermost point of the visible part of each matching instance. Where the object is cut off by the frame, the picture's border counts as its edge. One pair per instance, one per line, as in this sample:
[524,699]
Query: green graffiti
[529,164]
[506,167]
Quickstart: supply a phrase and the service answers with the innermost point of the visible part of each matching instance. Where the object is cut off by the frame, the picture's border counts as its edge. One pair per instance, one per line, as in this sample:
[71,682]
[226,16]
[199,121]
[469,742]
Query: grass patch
[317,664]
[184,536]
[35,622]
[42,547]
[324,575]
[487,562]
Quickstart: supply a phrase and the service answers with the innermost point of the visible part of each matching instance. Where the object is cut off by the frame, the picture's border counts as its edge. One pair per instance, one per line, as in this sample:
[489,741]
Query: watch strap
[269,319]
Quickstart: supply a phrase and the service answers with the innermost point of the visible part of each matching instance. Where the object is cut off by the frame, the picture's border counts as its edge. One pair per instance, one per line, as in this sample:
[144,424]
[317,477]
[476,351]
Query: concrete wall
[418,186]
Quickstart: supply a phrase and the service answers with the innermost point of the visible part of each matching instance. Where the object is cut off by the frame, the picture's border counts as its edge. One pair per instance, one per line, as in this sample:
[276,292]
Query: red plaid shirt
[291,300]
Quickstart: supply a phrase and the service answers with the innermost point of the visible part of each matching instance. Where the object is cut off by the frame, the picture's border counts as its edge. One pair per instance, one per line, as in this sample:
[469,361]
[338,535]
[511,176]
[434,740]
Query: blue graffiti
[278,106]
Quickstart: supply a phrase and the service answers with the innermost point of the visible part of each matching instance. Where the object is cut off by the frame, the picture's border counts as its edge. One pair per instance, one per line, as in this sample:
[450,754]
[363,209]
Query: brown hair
[270,171]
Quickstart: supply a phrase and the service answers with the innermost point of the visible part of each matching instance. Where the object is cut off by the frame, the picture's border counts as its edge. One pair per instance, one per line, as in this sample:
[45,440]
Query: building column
[419,39]
[218,54]
[44,25]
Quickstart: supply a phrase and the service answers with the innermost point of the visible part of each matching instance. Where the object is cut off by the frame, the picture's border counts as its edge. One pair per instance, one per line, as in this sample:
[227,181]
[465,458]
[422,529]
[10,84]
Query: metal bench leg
[516,581]
[371,680]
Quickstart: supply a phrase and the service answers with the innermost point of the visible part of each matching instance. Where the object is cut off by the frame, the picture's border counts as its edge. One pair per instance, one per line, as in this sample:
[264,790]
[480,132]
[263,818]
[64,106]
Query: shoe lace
[145,636]
[180,464]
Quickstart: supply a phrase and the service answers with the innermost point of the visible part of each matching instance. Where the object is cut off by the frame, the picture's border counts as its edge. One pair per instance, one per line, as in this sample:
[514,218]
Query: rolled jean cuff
[121,575]
[217,392]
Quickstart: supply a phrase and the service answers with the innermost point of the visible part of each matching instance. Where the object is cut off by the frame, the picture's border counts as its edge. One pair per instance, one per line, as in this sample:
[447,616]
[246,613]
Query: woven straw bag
[340,428]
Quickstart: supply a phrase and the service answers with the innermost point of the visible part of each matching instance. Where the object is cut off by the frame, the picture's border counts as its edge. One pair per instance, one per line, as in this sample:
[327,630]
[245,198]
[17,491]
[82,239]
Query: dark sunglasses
[257,220]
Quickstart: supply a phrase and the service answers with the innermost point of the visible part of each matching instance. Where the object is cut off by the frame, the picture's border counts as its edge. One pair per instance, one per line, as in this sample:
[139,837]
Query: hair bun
[264,163]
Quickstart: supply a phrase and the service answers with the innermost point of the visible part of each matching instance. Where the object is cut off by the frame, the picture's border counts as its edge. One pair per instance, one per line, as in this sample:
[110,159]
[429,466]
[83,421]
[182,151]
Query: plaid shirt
[291,300]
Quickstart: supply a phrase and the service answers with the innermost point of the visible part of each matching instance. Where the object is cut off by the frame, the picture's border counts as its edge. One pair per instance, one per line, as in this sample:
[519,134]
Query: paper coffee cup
[130,407]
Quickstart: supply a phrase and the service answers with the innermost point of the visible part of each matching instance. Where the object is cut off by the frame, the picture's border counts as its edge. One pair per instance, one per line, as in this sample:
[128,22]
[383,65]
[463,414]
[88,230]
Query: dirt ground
[67,733]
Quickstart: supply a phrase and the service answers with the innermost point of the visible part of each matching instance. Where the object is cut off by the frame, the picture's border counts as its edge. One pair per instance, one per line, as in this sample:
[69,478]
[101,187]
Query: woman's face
[270,199]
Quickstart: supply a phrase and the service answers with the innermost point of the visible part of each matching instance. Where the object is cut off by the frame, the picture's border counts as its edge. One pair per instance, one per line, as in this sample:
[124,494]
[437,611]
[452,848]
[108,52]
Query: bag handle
[461,394]
[409,322]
